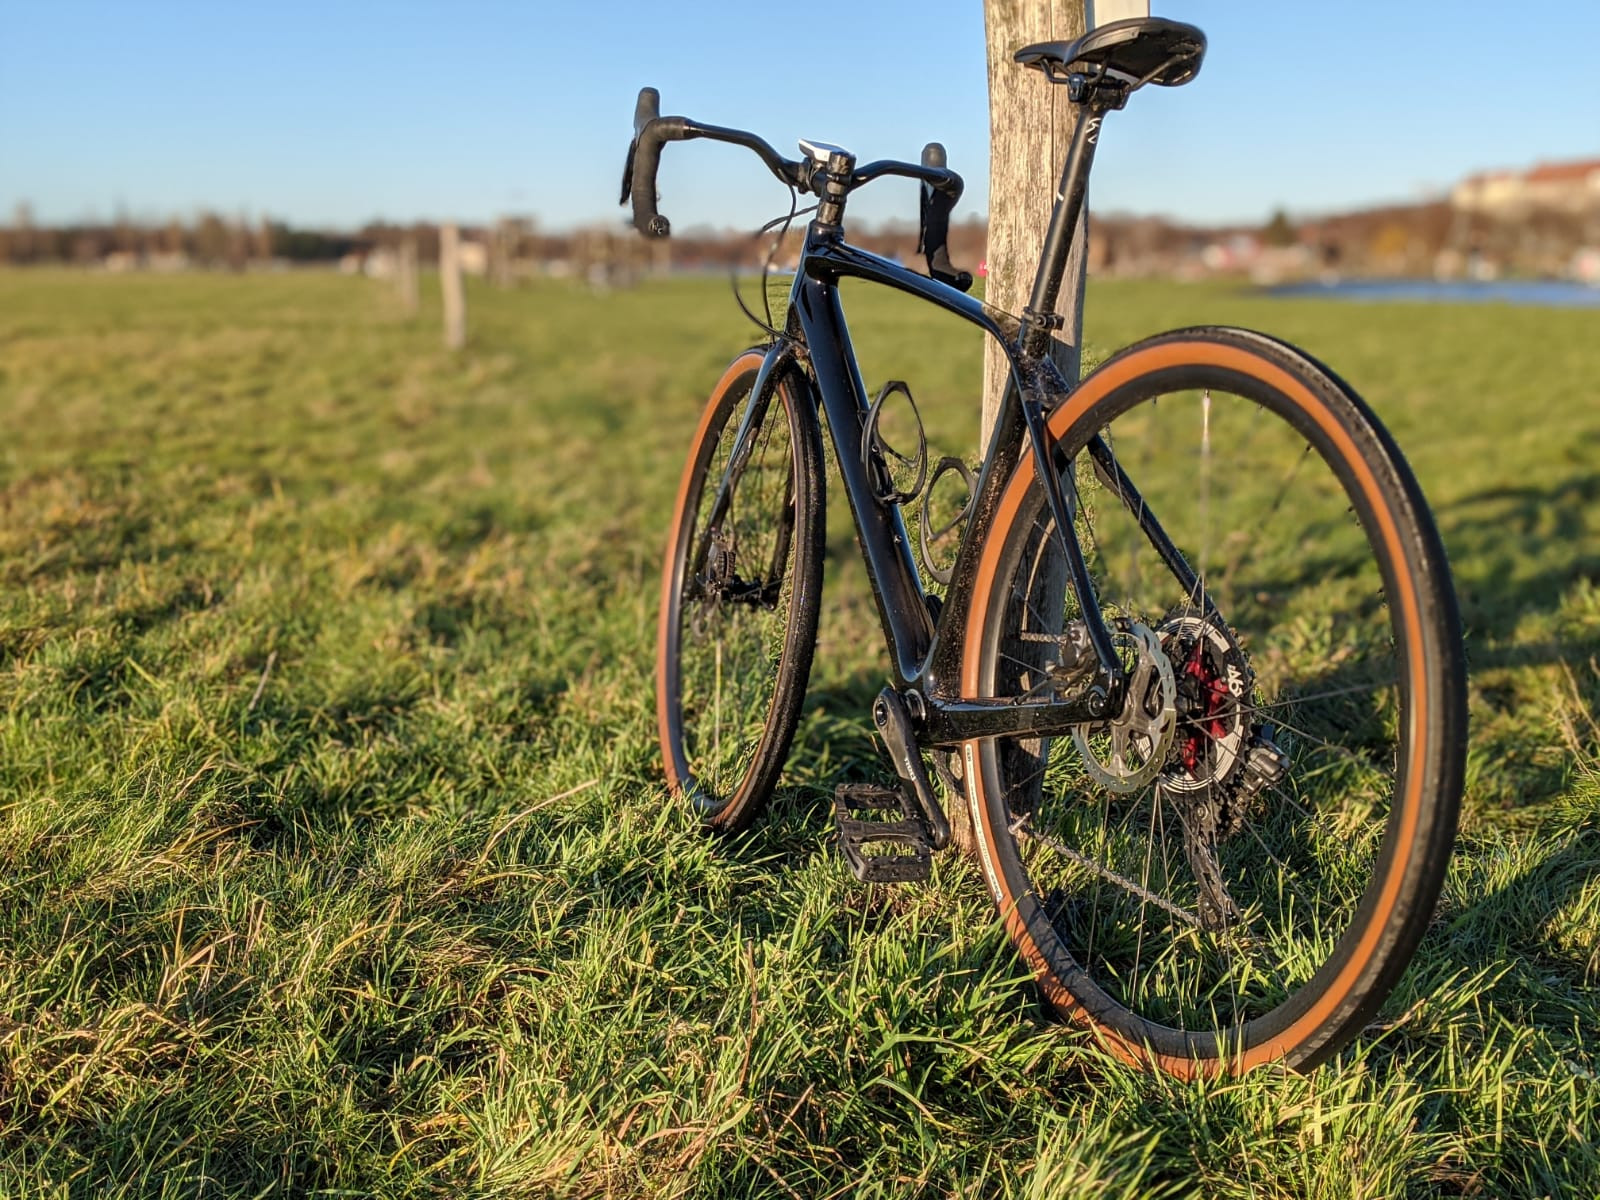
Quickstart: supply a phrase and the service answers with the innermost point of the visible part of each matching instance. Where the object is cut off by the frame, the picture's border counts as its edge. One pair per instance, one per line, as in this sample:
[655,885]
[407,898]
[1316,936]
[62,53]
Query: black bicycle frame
[926,653]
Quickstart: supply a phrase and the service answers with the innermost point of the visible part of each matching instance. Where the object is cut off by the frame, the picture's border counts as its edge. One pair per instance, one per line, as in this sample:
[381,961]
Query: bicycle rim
[1238,867]
[739,603]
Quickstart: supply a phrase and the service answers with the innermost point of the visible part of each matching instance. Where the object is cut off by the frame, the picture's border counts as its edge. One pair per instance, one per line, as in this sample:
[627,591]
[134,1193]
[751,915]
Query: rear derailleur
[1187,723]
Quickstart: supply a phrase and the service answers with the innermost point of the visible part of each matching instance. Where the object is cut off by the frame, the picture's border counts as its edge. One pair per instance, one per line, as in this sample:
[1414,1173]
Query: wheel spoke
[1023,827]
[1285,741]
[739,599]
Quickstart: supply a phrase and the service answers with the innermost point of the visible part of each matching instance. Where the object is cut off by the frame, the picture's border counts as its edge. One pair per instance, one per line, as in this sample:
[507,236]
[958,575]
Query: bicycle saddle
[1169,52]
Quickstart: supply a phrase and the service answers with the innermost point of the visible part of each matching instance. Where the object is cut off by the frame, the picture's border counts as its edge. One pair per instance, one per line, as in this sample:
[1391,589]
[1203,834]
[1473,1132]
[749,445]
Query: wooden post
[239,243]
[455,301]
[500,245]
[406,276]
[1103,12]
[1030,127]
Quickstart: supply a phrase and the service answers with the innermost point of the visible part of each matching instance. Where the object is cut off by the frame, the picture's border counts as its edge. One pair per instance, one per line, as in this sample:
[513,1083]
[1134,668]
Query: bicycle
[1197,667]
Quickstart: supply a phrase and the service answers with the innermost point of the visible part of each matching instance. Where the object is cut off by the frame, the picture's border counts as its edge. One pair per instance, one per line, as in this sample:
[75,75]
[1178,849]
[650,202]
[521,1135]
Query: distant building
[474,257]
[1561,186]
[1488,191]
[1573,186]
[1585,265]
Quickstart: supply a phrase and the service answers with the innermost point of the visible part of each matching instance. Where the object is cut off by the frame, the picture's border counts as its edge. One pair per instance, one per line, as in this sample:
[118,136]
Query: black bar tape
[651,131]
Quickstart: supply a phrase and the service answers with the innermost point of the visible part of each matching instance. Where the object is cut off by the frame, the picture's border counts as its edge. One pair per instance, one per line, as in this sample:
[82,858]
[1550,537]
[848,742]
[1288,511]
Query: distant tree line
[210,240]
[213,240]
[1397,239]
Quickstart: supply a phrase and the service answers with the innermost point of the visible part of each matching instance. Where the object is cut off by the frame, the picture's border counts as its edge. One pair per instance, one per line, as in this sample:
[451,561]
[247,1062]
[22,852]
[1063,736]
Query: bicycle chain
[1021,824]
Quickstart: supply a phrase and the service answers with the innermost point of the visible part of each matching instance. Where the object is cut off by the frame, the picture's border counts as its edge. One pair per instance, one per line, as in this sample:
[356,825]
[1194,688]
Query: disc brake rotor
[1214,688]
[1124,754]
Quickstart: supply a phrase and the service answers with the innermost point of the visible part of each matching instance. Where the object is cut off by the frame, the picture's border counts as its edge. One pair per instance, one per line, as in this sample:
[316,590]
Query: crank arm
[899,738]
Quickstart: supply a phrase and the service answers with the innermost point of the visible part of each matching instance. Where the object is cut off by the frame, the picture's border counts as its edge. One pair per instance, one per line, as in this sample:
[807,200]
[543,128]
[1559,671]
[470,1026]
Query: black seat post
[1100,70]
[1039,319]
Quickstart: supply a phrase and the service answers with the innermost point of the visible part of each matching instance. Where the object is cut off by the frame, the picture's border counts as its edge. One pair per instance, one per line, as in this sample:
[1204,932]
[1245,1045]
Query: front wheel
[740,596]
[1237,866]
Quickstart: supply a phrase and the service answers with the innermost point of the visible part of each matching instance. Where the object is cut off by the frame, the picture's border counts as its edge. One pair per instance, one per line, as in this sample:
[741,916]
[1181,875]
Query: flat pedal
[881,849]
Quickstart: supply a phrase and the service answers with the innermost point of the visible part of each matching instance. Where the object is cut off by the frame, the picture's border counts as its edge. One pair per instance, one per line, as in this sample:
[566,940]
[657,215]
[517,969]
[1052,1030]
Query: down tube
[896,586]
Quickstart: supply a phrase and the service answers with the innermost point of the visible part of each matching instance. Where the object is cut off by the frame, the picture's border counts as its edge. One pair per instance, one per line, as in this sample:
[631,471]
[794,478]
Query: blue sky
[335,113]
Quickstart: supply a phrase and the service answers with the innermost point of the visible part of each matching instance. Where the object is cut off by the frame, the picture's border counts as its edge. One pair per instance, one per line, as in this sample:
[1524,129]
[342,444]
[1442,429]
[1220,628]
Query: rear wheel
[1238,866]
[739,599]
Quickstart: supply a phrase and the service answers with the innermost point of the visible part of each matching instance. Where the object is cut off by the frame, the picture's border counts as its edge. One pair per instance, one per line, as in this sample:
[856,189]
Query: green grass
[335,858]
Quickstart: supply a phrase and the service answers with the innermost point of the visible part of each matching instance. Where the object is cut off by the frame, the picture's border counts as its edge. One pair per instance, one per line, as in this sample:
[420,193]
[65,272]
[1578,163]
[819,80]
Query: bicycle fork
[755,411]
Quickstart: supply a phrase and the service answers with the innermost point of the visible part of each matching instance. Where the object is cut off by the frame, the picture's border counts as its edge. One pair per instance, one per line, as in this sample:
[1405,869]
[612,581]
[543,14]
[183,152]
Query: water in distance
[1547,293]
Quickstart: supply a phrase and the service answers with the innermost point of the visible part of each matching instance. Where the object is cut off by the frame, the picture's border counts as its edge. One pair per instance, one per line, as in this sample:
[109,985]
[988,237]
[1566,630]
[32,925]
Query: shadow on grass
[1519,919]
[1495,535]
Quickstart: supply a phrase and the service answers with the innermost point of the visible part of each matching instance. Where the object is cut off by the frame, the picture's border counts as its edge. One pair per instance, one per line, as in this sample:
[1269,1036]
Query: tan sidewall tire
[792,399]
[1316,1031]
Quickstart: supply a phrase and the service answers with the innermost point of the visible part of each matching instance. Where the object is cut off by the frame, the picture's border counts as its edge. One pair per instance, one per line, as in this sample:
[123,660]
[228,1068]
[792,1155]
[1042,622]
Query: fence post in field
[406,276]
[501,239]
[455,301]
